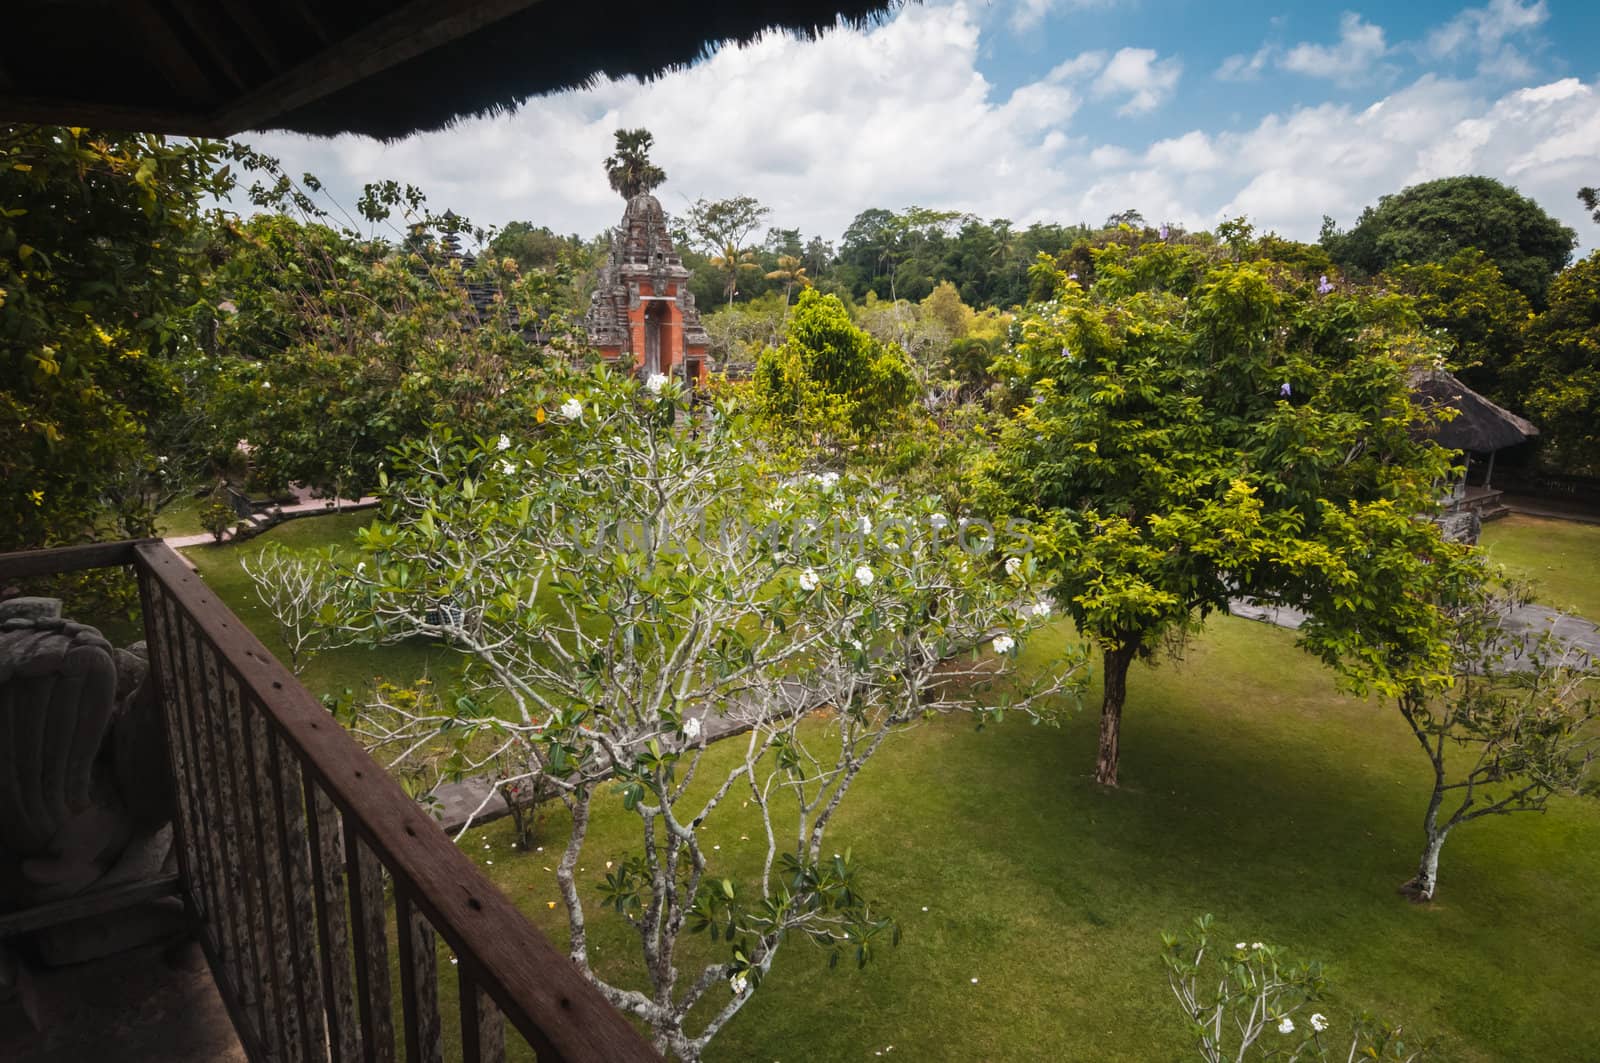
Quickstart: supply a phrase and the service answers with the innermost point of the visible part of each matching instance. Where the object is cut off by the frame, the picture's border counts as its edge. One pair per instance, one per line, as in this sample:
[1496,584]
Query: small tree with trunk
[629,168]
[1184,426]
[630,584]
[1503,711]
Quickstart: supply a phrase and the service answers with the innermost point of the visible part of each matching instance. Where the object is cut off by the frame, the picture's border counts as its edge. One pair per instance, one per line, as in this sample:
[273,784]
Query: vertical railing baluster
[333,923]
[419,983]
[186,825]
[240,808]
[238,947]
[257,781]
[293,820]
[370,936]
[483,1028]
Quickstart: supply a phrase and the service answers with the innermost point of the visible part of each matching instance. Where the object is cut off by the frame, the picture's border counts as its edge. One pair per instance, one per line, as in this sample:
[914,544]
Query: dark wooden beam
[250,27]
[414,29]
[105,116]
[201,21]
[177,65]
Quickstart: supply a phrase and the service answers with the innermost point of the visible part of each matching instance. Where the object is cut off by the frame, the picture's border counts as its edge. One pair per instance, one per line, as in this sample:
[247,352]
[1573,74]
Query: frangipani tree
[1504,712]
[630,583]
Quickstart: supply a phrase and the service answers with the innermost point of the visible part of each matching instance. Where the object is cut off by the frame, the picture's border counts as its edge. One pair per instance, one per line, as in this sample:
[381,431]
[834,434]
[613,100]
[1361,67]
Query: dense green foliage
[102,269]
[1188,426]
[1481,316]
[831,381]
[1561,366]
[1432,221]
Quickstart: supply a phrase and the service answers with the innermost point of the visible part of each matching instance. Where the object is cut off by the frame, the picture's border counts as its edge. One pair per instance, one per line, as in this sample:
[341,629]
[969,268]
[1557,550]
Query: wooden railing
[300,859]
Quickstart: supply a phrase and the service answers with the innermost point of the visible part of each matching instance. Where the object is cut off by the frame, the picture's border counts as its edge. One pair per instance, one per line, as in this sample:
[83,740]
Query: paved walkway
[306,507]
[1573,630]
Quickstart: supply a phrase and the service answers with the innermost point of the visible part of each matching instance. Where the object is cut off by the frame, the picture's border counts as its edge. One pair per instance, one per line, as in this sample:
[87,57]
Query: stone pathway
[306,507]
[1574,630]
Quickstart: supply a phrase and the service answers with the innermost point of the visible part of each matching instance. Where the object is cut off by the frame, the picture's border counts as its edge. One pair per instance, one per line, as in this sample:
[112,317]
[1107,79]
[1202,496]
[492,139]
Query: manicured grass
[337,670]
[1562,556]
[1251,790]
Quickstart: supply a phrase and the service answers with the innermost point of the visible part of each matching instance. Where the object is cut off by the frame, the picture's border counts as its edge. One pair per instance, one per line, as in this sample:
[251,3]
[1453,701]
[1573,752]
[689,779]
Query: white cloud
[1136,76]
[1245,67]
[1028,15]
[1361,46]
[899,114]
[1485,32]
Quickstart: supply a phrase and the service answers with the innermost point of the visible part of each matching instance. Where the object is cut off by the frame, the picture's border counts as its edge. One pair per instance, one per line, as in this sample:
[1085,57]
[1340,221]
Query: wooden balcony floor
[156,1003]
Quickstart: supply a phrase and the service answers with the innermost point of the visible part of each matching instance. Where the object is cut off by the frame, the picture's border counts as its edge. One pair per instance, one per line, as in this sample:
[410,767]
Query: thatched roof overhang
[378,67]
[1479,425]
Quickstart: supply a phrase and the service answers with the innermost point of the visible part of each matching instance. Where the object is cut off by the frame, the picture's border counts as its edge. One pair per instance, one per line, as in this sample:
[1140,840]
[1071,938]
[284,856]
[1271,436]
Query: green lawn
[1251,790]
[1562,556]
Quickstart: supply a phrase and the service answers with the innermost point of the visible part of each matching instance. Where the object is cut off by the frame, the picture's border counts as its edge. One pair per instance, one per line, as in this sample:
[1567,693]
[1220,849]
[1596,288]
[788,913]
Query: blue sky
[1061,110]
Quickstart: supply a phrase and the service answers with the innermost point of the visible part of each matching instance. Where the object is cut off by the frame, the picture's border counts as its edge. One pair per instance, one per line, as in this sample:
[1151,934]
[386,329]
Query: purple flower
[1072,276]
[1284,390]
[1324,286]
[1163,232]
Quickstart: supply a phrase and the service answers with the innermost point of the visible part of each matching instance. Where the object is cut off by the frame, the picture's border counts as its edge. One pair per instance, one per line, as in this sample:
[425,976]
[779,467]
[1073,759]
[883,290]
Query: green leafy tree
[791,273]
[629,168]
[1479,314]
[832,380]
[338,346]
[1504,715]
[103,262]
[1590,198]
[1433,221]
[1559,368]
[1186,448]
[721,229]
[625,585]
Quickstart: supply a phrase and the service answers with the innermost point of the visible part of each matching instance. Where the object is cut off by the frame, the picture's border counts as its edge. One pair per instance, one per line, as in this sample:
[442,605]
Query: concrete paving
[1582,635]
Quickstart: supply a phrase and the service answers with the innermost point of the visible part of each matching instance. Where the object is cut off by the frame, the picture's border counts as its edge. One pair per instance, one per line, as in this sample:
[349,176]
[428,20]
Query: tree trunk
[1116,692]
[1423,886]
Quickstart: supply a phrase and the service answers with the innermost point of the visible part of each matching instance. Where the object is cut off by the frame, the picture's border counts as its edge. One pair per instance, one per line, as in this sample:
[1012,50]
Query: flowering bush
[1242,1004]
[628,586]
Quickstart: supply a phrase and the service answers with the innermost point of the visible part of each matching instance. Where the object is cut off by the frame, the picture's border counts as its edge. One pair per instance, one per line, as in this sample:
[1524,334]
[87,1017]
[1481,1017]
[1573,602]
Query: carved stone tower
[642,315]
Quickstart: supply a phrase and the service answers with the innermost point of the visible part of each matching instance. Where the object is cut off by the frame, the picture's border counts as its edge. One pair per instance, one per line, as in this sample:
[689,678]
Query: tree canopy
[1433,221]
[629,168]
[1186,427]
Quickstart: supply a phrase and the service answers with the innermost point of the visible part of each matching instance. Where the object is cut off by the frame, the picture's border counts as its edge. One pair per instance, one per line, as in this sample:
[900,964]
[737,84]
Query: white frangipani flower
[572,410]
[503,443]
[864,575]
[939,520]
[1319,1021]
[691,728]
[1004,644]
[1013,565]
[508,467]
[857,644]
[808,580]
[1286,1025]
[739,983]
[1240,946]
[1257,945]
[655,382]
[1041,609]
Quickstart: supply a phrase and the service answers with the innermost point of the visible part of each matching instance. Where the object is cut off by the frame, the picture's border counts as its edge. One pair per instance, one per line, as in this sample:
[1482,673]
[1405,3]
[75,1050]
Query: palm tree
[791,273]
[733,261]
[629,169]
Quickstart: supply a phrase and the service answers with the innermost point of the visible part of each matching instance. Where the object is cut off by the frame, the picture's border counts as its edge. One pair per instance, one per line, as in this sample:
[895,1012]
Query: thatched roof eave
[376,67]
[1479,425]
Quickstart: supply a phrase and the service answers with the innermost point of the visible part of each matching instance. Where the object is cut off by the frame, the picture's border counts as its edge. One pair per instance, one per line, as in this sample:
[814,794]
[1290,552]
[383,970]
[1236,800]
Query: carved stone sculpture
[85,790]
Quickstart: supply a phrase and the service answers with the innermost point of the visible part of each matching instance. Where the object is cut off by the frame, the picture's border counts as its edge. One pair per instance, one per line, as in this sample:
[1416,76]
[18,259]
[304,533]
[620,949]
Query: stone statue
[85,788]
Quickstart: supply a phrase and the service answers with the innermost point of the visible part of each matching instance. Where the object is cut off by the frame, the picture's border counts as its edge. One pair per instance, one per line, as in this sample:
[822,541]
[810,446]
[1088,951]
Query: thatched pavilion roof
[1479,425]
[381,67]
